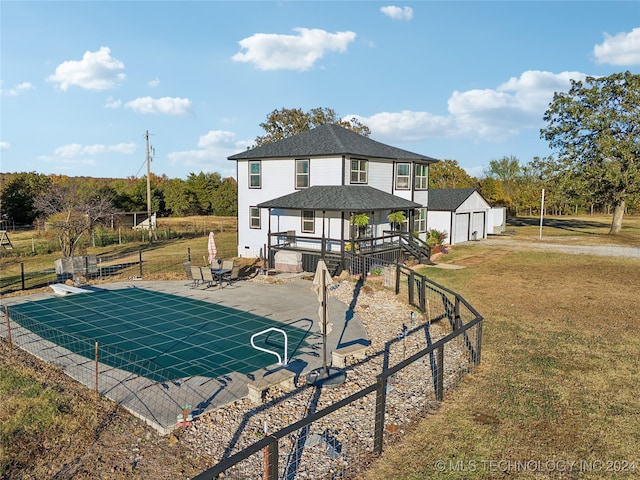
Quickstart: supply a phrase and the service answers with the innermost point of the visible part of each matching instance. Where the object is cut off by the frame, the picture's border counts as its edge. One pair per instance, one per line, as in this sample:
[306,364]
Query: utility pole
[148,184]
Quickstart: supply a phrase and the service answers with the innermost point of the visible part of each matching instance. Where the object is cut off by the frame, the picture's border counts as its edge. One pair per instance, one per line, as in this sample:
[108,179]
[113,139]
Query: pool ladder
[272,329]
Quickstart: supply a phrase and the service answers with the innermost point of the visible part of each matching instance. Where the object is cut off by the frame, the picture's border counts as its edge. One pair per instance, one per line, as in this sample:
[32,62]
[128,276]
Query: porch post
[268,252]
[342,244]
[323,247]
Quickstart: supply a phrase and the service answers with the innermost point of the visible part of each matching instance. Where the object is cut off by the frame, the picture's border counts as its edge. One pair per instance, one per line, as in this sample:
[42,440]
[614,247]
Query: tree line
[27,196]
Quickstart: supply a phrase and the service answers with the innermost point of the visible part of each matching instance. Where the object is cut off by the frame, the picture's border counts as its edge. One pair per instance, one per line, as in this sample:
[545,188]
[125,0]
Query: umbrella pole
[324,322]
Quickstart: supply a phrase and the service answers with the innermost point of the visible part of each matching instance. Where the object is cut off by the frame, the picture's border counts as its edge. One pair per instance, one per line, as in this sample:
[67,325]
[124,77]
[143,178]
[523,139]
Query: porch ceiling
[340,198]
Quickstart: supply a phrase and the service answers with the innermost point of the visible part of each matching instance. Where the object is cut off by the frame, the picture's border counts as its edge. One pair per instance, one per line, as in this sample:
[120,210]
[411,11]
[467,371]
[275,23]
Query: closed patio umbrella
[324,376]
[213,251]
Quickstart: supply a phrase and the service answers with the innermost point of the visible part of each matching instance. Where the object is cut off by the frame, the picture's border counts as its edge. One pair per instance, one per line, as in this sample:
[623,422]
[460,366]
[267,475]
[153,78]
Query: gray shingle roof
[448,199]
[353,198]
[329,139]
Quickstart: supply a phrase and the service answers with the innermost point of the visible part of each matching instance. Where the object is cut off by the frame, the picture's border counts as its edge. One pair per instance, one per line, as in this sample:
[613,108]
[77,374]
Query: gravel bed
[342,442]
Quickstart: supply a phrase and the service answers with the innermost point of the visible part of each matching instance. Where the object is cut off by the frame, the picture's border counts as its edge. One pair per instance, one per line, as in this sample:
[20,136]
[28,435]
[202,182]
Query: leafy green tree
[287,122]
[203,187]
[493,192]
[18,195]
[507,170]
[225,200]
[179,200]
[595,128]
[448,174]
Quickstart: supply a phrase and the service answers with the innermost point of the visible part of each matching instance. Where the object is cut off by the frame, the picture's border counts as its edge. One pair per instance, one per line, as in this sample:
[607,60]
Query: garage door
[477,224]
[461,228]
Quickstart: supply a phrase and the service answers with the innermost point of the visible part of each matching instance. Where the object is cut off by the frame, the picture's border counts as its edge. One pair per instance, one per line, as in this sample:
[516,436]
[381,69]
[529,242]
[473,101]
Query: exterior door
[478,225]
[461,228]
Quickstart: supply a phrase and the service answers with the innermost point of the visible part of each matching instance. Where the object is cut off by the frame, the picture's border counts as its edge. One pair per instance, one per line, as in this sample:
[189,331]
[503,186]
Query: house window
[420,221]
[255,174]
[422,177]
[403,174]
[308,221]
[302,173]
[254,217]
[359,170]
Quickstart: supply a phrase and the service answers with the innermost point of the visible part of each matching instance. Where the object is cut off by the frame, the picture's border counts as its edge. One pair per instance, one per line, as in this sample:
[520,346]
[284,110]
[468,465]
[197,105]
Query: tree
[507,170]
[18,195]
[225,201]
[287,122]
[72,213]
[595,128]
[448,174]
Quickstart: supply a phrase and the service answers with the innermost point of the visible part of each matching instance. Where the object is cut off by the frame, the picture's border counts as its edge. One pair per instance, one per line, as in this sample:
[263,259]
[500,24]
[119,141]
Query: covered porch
[324,217]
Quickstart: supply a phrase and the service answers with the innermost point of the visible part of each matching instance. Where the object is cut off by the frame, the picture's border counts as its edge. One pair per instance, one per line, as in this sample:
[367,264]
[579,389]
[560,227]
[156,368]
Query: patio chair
[187,270]
[196,275]
[227,264]
[207,276]
[232,276]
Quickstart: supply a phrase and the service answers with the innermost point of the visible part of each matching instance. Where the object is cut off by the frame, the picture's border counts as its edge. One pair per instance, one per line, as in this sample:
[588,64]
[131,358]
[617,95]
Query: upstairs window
[403,176]
[302,173]
[421,177]
[308,221]
[255,174]
[359,169]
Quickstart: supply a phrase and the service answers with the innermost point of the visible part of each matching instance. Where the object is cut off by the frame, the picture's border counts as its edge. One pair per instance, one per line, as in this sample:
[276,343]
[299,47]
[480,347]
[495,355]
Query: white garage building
[462,212]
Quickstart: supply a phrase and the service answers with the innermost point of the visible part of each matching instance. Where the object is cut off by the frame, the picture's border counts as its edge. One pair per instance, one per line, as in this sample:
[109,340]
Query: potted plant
[360,220]
[396,219]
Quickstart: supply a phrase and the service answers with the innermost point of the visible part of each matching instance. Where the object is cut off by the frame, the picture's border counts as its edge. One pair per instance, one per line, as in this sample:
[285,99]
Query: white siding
[325,171]
[440,221]
[381,176]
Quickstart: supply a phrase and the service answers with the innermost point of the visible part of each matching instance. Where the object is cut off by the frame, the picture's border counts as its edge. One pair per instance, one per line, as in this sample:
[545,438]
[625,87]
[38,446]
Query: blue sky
[81,82]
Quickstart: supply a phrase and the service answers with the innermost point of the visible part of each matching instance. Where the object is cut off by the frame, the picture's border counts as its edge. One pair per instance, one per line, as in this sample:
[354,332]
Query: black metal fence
[339,437]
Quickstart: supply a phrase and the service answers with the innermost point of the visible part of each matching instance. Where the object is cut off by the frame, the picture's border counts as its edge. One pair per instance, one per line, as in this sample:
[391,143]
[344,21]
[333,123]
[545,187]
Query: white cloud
[154,83]
[113,103]
[75,150]
[211,155]
[619,49]
[492,114]
[405,126]
[18,89]
[5,145]
[291,52]
[164,105]
[519,103]
[397,13]
[96,71]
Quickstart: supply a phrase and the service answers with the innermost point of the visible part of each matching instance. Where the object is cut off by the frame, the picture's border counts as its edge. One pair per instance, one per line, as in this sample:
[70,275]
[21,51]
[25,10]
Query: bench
[339,355]
[281,378]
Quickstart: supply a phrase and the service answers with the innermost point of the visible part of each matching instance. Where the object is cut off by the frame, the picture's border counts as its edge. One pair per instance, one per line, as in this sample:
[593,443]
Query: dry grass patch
[559,370]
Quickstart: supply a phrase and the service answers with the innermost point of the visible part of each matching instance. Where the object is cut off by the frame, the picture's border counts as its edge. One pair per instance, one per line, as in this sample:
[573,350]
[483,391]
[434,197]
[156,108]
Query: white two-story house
[305,191]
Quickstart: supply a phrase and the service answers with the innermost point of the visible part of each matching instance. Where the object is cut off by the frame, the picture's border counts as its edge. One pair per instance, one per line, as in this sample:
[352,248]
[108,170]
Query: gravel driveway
[600,250]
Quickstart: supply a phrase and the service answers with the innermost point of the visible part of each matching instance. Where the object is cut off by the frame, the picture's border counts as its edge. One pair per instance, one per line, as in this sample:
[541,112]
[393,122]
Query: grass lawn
[560,367]
[556,394]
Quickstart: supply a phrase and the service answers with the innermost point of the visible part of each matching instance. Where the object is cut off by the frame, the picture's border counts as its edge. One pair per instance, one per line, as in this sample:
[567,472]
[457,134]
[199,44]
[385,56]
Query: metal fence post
[22,273]
[6,315]
[272,467]
[457,321]
[440,372]
[381,400]
[96,356]
[476,360]
[411,284]
[189,254]
[140,256]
